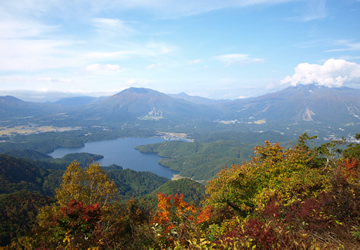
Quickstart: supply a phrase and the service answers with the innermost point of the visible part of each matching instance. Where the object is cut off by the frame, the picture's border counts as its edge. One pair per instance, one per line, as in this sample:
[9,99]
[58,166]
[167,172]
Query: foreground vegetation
[300,197]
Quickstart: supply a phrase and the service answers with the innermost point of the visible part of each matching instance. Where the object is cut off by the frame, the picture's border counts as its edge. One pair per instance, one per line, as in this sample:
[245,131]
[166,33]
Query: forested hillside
[301,197]
[200,161]
[28,184]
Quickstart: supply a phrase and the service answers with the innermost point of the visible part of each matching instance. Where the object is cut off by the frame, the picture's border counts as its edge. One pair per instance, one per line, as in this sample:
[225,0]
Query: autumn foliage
[284,198]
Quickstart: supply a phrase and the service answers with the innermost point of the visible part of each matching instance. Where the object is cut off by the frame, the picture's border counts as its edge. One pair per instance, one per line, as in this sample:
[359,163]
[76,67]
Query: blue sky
[217,49]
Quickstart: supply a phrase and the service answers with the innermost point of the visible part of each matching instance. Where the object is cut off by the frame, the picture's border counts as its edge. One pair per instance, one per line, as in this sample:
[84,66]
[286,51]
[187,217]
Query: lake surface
[122,152]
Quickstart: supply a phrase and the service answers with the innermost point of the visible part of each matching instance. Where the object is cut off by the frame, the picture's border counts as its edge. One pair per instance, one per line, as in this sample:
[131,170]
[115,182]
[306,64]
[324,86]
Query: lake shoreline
[122,152]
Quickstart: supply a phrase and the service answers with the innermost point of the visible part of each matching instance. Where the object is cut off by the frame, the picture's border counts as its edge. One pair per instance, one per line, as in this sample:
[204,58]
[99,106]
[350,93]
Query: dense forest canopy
[296,197]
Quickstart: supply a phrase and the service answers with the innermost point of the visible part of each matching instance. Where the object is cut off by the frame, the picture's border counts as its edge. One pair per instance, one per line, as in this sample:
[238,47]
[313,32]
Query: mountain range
[303,104]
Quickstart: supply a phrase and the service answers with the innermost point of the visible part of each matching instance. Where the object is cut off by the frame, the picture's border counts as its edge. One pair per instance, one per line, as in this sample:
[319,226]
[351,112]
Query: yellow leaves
[202,243]
[67,241]
[90,186]
[288,173]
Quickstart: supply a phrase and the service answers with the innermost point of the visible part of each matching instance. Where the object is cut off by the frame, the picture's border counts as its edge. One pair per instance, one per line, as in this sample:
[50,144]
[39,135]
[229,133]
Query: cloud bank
[333,73]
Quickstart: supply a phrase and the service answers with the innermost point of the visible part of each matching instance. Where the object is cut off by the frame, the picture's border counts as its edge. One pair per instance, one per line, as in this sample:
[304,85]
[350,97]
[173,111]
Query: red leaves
[254,230]
[349,168]
[79,218]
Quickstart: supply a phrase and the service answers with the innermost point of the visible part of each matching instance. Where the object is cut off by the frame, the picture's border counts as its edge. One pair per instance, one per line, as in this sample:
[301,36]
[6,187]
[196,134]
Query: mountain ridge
[296,104]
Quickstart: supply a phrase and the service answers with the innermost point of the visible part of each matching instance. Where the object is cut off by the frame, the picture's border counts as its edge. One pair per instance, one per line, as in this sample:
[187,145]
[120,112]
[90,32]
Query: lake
[122,152]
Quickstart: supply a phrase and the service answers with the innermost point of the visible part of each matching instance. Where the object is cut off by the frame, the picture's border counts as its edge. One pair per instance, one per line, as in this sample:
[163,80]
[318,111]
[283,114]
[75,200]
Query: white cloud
[346,45]
[195,61]
[112,26]
[150,49]
[93,67]
[52,94]
[50,79]
[333,73]
[112,67]
[30,55]
[12,29]
[229,59]
[316,10]
[153,66]
[137,83]
[27,45]
[108,22]
[242,97]
[99,67]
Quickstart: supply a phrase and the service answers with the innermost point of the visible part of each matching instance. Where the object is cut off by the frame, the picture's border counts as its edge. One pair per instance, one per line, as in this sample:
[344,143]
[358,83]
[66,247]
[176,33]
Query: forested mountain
[11,107]
[18,174]
[304,104]
[147,104]
[26,184]
[134,184]
[193,191]
[197,99]
[18,213]
[77,101]
[200,161]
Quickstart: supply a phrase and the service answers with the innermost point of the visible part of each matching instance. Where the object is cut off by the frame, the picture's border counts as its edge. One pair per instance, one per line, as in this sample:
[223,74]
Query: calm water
[122,152]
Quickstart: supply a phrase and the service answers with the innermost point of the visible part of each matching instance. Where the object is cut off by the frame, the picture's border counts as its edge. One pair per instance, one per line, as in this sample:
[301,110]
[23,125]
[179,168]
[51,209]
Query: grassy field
[30,129]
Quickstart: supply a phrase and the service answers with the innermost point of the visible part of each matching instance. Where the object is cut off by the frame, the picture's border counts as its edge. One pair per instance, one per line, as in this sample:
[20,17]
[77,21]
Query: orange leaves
[204,214]
[350,168]
[176,220]
[177,210]
[183,208]
[164,205]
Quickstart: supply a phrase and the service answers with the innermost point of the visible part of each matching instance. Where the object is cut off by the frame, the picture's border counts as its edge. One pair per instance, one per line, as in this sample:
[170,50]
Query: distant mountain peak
[139,90]
[10,98]
[197,99]
[76,101]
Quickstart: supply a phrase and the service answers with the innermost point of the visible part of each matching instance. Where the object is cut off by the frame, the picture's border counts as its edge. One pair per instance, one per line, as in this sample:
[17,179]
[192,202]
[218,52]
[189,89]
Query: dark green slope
[200,161]
[18,213]
[29,154]
[19,174]
[133,184]
[192,190]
